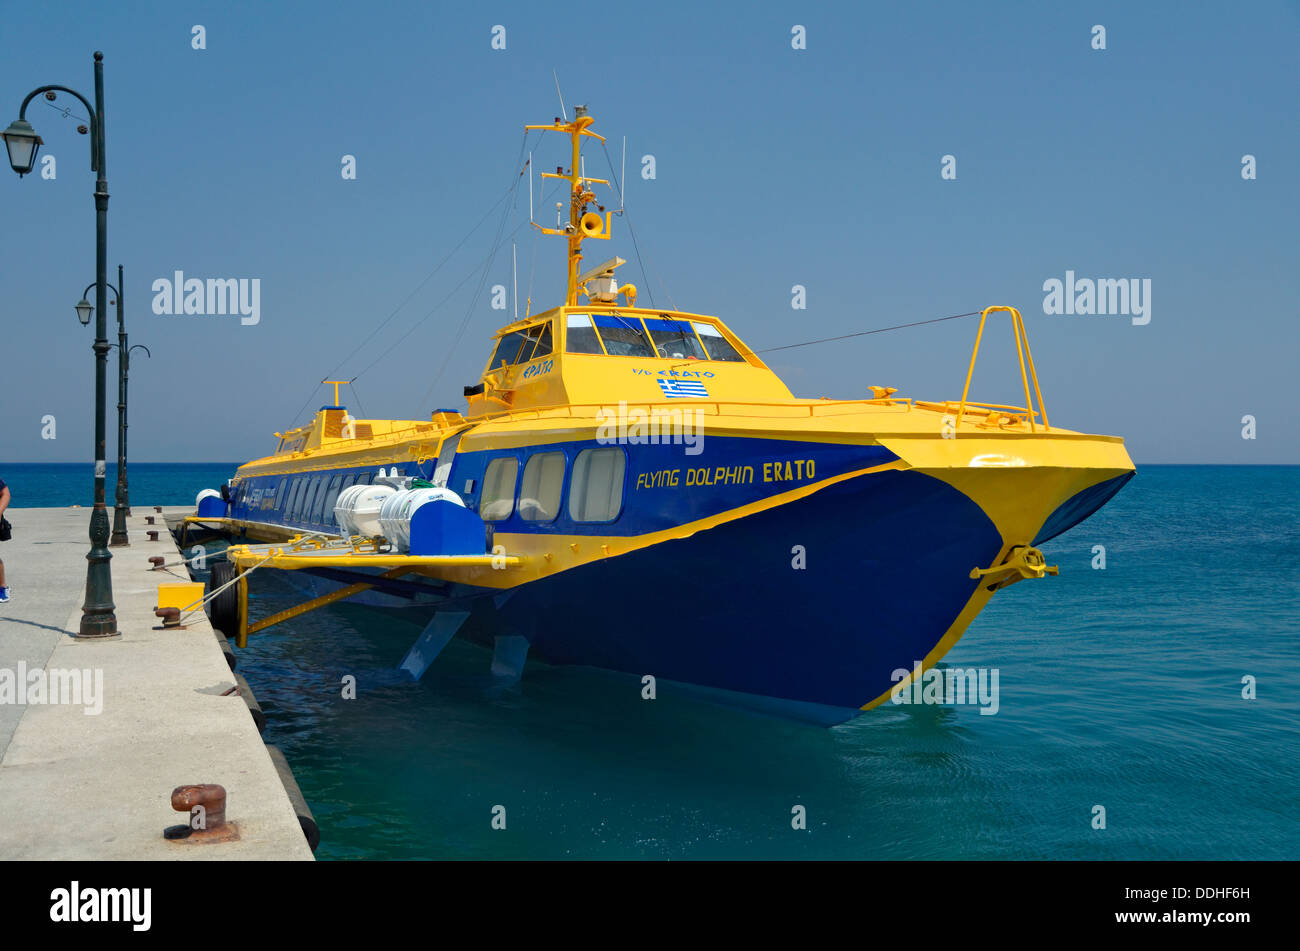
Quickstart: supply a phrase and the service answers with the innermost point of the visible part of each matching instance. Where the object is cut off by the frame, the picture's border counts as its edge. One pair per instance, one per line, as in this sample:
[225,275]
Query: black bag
[6,530]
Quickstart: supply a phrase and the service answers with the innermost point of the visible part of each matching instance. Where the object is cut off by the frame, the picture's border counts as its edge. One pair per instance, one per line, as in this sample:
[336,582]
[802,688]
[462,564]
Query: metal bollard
[157,561]
[153,536]
[205,804]
[171,617]
[148,519]
[157,508]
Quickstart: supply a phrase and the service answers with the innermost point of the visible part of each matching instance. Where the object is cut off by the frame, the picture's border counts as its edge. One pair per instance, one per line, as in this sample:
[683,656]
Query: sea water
[1123,727]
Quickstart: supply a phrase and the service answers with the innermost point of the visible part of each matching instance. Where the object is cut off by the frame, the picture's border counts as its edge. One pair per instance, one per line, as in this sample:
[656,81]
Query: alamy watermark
[182,296]
[84,688]
[950,685]
[1085,297]
[658,426]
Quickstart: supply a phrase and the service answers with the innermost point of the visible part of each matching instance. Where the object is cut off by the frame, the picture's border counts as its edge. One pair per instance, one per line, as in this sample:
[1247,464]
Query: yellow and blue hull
[796,575]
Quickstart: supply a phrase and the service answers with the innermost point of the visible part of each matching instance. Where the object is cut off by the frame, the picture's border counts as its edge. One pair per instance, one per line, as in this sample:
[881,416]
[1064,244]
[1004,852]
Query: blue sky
[774,167]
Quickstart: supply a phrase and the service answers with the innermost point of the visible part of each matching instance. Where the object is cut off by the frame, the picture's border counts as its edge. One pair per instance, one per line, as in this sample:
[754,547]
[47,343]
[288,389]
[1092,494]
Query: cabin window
[327,510]
[596,491]
[278,501]
[718,346]
[446,455]
[623,336]
[312,495]
[539,492]
[533,335]
[582,336]
[675,339]
[295,489]
[511,347]
[543,343]
[304,484]
[499,489]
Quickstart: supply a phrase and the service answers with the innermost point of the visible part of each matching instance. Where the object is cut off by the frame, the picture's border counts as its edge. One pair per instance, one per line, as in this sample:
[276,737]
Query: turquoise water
[48,485]
[1118,687]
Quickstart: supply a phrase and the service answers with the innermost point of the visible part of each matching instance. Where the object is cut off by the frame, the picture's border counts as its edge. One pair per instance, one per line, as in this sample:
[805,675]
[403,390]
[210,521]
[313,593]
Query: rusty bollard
[157,561]
[171,617]
[153,536]
[205,804]
[148,519]
[157,508]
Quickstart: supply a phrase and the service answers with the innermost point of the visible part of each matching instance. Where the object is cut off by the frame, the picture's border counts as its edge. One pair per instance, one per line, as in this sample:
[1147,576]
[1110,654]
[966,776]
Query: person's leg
[2,573]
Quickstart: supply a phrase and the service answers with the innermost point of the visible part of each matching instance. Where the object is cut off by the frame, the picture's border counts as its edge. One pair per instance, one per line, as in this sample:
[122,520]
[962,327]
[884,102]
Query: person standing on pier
[4,504]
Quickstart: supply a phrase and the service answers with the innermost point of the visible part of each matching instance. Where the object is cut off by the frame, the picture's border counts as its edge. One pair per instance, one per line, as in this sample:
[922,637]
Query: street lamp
[23,143]
[123,496]
[97,611]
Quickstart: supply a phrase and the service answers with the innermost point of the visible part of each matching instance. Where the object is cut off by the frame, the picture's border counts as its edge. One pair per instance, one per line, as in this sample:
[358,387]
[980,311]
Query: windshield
[623,336]
[675,339]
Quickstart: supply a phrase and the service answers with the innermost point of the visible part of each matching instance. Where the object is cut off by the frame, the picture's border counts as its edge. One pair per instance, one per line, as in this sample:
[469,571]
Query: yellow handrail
[1022,351]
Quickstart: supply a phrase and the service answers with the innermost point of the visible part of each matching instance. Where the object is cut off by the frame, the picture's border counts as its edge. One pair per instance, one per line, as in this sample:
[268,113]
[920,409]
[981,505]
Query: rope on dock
[198,606]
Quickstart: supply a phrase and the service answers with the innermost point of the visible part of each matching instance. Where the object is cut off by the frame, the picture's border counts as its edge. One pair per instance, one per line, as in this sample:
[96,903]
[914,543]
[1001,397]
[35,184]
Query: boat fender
[306,821]
[223,610]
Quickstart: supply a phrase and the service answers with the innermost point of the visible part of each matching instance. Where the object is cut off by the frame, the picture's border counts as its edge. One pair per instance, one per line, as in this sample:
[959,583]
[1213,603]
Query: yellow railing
[1022,351]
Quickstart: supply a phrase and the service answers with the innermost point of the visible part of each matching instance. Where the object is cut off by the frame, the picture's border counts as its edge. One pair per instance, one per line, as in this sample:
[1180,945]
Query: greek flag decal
[683,389]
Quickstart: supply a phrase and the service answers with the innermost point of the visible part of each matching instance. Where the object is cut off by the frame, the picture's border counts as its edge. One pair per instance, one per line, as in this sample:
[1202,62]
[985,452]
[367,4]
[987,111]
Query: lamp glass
[84,309]
[22,143]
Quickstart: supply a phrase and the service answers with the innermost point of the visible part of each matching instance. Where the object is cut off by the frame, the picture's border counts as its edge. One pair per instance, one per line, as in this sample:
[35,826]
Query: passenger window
[499,489]
[539,493]
[675,339]
[718,346]
[596,491]
[623,336]
[582,335]
[299,493]
[312,495]
[446,455]
[327,510]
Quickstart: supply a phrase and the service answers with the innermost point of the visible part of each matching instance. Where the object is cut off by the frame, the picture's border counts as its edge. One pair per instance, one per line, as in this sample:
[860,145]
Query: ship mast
[582,224]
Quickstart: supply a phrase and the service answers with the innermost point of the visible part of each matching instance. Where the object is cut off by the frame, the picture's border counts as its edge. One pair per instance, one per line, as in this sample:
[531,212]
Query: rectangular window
[312,495]
[581,335]
[623,336]
[286,508]
[510,347]
[543,343]
[299,491]
[539,493]
[446,455]
[719,347]
[499,489]
[327,510]
[675,339]
[596,491]
[278,500]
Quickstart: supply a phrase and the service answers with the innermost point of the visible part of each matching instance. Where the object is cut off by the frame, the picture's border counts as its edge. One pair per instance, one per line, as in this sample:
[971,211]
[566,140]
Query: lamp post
[97,611]
[123,497]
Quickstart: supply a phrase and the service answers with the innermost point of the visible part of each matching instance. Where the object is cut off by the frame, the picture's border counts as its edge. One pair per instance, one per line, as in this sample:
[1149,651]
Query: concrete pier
[78,785]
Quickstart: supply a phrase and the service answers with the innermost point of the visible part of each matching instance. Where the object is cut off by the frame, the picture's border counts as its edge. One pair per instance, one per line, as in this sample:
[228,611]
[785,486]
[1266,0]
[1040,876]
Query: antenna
[622,177]
[530,185]
[563,115]
[514,264]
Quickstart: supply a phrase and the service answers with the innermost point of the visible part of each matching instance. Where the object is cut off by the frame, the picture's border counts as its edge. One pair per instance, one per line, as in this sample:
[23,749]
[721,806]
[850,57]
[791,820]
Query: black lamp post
[97,612]
[123,507]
